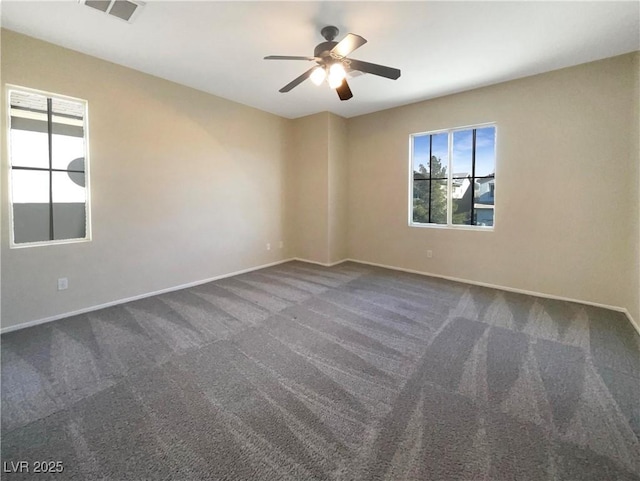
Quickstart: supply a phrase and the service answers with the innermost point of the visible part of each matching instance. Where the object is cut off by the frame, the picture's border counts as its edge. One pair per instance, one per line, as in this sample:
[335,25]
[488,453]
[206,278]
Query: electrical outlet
[63,283]
[429,253]
[268,247]
[281,244]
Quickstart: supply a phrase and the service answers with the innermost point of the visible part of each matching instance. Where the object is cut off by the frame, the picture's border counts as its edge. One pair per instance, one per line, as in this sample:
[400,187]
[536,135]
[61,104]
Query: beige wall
[184,186]
[567,186]
[338,188]
[309,178]
[319,176]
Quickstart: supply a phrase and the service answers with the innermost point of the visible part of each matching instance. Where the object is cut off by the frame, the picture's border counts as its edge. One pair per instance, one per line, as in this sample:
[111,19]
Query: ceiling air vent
[123,9]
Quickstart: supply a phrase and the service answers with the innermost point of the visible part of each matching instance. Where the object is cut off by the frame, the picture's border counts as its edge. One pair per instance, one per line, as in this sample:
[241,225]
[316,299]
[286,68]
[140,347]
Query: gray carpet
[299,372]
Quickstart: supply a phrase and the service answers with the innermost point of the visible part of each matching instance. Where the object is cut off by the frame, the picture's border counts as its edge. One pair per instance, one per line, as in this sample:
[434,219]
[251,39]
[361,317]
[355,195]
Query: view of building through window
[453,181]
[48,167]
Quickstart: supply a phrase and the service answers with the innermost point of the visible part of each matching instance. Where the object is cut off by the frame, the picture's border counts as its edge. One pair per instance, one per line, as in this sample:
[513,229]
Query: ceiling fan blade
[352,72]
[375,69]
[287,57]
[297,81]
[344,92]
[347,45]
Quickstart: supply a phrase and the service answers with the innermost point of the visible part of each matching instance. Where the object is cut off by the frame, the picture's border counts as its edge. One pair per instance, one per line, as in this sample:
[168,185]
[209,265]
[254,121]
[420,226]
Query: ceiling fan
[333,64]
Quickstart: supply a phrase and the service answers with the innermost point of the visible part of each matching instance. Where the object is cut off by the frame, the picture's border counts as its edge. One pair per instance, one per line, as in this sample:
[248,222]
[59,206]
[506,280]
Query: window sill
[25,245]
[475,228]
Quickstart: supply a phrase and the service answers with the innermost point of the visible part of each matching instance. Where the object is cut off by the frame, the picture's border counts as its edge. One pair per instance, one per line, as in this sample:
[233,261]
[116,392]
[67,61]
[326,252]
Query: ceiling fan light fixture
[318,75]
[336,75]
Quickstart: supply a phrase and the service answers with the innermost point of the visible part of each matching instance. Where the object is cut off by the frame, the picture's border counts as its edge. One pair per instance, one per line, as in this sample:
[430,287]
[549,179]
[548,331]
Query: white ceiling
[441,47]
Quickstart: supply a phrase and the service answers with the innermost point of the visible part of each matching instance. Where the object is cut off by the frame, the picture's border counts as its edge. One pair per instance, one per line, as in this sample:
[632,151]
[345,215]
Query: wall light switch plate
[63,283]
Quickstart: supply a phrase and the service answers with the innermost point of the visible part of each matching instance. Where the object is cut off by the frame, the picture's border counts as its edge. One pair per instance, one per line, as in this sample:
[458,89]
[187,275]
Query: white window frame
[450,224]
[88,236]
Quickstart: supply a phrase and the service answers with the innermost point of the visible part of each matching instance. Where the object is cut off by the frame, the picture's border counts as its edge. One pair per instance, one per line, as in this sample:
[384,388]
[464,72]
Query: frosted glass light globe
[336,75]
[318,75]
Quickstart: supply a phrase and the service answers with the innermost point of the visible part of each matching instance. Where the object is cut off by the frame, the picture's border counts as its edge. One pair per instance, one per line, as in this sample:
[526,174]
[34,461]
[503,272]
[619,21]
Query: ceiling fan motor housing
[329,32]
[322,49]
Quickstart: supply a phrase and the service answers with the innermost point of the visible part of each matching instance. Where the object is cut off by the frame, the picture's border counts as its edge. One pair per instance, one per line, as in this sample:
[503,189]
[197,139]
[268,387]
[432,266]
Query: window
[49,170]
[453,177]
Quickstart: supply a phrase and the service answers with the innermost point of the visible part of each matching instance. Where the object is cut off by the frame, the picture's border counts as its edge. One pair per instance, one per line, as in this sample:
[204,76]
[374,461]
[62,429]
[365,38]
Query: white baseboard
[135,298]
[324,264]
[504,288]
[631,320]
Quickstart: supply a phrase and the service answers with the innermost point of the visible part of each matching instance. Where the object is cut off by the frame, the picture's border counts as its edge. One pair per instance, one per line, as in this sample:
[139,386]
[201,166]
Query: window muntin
[453,177]
[47,150]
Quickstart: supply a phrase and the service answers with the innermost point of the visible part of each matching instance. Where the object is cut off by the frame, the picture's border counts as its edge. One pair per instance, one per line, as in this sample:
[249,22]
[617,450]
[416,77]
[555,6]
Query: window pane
[30,191]
[69,220]
[69,196]
[29,149]
[30,223]
[29,186]
[421,201]
[28,120]
[430,196]
[439,202]
[440,154]
[421,154]
[462,153]
[68,150]
[460,188]
[484,201]
[485,151]
[68,187]
[461,203]
[484,216]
